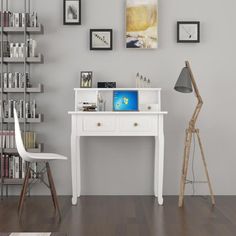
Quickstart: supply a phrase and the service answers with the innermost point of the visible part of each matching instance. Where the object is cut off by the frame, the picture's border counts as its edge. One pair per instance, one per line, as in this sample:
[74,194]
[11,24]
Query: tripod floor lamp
[184,84]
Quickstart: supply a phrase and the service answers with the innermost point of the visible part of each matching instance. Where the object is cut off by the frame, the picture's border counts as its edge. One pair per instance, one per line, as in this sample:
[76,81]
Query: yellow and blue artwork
[141,24]
[125,100]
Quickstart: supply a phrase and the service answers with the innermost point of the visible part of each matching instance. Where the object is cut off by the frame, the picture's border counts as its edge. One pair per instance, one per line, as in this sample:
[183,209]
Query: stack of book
[15,19]
[7,139]
[6,49]
[18,50]
[24,109]
[87,106]
[13,167]
[15,80]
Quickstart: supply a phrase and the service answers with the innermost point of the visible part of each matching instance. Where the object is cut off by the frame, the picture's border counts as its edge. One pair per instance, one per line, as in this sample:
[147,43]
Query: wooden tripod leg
[205,167]
[24,189]
[187,147]
[52,188]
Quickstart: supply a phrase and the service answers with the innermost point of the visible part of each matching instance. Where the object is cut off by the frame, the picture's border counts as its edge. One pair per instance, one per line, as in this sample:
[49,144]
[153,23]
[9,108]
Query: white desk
[111,123]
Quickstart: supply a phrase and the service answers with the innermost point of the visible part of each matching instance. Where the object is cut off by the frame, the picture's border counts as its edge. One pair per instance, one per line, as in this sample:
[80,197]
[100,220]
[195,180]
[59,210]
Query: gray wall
[125,165]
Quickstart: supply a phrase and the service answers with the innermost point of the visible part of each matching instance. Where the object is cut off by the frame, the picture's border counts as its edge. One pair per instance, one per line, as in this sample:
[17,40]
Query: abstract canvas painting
[141,24]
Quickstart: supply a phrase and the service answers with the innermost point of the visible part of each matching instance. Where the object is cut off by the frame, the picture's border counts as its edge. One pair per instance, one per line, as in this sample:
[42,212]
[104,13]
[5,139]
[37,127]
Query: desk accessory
[124,100]
[106,84]
[86,79]
[142,81]
[184,85]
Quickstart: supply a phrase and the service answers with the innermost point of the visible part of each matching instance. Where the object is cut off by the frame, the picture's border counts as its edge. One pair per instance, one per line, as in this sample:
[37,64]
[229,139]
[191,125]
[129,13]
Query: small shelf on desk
[118,112]
[117,89]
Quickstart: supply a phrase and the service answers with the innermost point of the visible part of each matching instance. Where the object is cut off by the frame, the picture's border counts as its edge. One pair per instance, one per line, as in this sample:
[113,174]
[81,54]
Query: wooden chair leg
[53,189]
[188,140]
[205,167]
[24,189]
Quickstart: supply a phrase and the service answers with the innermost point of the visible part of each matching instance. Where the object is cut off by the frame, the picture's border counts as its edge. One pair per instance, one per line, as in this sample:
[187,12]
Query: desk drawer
[99,124]
[136,124]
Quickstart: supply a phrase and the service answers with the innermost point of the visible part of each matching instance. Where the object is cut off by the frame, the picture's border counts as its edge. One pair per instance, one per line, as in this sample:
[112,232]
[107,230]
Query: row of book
[87,106]
[15,80]
[25,109]
[14,167]
[16,19]
[19,50]
[7,139]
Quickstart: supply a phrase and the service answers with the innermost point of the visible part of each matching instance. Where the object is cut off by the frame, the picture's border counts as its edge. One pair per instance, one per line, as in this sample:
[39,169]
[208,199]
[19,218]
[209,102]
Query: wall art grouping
[141,24]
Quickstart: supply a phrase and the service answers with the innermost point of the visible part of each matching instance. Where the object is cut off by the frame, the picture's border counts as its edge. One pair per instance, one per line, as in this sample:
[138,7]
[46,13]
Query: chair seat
[45,156]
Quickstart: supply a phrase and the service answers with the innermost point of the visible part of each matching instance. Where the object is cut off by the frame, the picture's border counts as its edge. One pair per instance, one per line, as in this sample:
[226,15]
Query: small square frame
[101,30]
[188,22]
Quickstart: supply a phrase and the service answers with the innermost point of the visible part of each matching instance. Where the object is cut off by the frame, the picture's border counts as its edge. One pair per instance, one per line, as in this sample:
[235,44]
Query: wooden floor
[122,216]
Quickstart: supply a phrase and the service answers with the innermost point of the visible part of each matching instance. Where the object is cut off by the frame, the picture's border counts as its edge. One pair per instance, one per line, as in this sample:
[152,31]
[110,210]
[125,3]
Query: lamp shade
[184,82]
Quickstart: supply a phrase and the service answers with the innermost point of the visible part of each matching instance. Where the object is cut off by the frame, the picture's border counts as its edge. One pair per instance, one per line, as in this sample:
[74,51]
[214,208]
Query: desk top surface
[117,113]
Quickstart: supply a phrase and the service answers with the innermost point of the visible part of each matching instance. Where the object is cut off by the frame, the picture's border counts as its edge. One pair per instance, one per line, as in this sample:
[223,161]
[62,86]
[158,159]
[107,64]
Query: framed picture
[72,12]
[188,32]
[101,39]
[142,24]
[86,79]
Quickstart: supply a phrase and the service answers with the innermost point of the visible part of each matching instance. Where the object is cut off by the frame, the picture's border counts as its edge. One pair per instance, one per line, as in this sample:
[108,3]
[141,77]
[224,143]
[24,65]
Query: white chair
[35,157]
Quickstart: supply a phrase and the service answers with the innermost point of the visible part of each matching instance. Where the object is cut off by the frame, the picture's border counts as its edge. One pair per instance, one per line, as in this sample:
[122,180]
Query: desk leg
[159,163]
[74,171]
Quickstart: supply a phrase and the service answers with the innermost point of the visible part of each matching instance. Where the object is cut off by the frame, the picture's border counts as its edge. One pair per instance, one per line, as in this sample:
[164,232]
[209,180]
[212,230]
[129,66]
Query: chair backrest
[18,139]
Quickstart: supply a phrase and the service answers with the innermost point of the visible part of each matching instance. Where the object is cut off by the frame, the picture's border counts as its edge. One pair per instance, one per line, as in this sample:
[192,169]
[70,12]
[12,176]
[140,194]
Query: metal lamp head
[184,82]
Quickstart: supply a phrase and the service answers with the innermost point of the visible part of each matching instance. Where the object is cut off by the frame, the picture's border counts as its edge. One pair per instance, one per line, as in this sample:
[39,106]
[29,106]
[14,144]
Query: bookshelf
[24,93]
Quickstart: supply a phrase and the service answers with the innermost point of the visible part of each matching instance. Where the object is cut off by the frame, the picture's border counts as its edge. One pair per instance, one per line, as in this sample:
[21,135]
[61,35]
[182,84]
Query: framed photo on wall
[86,79]
[101,39]
[142,24]
[72,12]
[188,32]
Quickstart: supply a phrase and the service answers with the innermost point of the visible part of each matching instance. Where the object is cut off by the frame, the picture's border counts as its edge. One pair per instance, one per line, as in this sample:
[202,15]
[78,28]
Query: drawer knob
[135,124]
[149,107]
[99,124]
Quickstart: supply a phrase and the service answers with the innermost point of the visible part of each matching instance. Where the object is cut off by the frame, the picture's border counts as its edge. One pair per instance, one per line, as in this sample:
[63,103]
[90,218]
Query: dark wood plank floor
[122,216]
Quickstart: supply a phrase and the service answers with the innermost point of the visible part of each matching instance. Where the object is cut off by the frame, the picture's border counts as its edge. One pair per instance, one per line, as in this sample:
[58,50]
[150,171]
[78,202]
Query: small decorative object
[72,12]
[106,84]
[188,32]
[141,24]
[101,39]
[101,103]
[142,82]
[86,79]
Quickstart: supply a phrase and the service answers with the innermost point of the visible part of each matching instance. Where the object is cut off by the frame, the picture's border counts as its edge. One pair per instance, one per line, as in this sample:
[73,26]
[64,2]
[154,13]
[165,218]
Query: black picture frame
[65,21]
[89,76]
[93,47]
[197,23]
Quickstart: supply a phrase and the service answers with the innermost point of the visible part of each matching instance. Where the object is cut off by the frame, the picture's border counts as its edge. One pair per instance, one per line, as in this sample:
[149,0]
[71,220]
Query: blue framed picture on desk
[124,100]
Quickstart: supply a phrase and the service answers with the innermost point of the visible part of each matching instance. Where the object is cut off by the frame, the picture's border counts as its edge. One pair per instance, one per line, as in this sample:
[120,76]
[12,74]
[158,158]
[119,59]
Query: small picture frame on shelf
[86,79]
[101,39]
[72,12]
